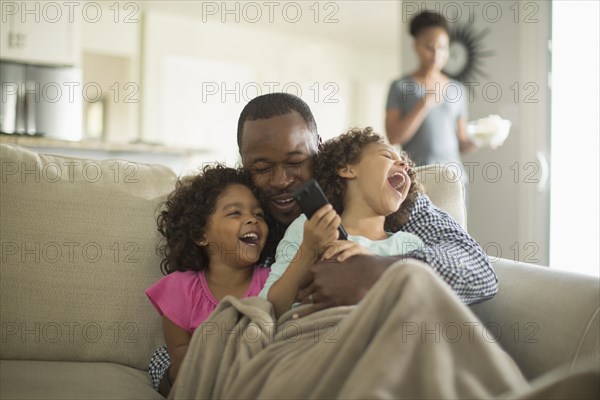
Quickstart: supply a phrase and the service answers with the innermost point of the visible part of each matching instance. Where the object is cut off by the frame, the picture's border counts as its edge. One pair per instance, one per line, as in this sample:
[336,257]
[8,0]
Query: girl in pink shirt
[215,233]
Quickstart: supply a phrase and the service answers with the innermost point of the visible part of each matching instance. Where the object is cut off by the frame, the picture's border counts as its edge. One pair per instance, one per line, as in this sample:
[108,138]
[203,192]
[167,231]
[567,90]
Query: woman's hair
[346,149]
[186,214]
[427,19]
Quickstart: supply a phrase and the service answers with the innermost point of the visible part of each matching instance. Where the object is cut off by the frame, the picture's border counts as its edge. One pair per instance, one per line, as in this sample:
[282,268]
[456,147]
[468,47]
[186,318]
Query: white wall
[105,40]
[344,82]
[507,214]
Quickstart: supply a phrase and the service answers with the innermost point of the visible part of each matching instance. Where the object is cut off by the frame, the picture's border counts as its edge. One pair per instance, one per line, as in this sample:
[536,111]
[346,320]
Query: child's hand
[321,229]
[341,250]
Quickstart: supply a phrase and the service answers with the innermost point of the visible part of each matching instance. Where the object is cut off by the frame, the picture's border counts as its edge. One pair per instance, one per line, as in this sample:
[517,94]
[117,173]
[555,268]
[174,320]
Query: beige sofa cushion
[78,240]
[445,190]
[543,317]
[72,380]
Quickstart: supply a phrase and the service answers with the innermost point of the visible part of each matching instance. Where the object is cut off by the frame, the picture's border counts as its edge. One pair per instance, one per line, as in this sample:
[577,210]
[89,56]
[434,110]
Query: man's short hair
[273,105]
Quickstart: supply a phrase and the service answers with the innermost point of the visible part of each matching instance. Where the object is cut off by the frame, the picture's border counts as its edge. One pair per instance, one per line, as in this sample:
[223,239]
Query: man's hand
[342,283]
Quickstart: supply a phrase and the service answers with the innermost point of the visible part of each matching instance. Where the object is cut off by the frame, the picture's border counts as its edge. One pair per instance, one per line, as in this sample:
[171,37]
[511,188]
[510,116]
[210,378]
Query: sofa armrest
[543,317]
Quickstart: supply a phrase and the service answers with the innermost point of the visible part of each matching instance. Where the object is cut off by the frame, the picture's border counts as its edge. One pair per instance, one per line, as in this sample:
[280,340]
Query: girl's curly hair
[346,149]
[186,214]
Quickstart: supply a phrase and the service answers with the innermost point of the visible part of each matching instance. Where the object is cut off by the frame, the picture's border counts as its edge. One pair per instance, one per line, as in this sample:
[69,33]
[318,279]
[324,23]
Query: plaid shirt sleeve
[451,252]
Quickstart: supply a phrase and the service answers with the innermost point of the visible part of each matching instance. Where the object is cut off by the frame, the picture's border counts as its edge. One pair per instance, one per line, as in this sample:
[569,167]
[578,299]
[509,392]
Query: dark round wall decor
[466,53]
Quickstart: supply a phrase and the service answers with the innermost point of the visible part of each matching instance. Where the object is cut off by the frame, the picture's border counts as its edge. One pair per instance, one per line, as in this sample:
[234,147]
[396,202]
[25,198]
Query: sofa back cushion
[543,317]
[78,247]
[445,189]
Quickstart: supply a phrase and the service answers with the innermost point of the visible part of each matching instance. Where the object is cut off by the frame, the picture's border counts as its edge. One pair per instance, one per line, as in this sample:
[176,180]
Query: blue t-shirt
[436,140]
[396,244]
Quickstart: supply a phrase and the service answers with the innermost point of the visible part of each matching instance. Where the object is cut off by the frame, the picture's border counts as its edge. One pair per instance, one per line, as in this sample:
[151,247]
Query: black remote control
[310,196]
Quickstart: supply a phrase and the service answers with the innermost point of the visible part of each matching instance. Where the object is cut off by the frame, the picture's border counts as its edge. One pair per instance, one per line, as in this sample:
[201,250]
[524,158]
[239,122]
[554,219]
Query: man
[277,137]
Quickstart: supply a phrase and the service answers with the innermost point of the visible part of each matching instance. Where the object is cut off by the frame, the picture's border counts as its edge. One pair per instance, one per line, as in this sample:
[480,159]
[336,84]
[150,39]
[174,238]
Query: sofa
[78,240]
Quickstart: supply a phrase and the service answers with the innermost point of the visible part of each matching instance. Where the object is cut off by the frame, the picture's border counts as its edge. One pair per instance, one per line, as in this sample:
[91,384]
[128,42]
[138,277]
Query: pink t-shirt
[184,297]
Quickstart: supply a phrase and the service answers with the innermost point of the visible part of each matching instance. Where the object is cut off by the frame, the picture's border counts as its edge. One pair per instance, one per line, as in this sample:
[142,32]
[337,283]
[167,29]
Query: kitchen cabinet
[39,35]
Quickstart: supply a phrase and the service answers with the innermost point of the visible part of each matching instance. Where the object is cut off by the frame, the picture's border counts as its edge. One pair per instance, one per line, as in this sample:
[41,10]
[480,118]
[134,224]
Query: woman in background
[427,111]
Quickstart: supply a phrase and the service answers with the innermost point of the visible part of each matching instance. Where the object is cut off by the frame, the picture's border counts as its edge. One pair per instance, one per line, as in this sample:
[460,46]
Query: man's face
[278,153]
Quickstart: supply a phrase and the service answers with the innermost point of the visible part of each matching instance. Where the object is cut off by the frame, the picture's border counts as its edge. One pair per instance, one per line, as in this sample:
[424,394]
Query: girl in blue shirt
[372,189]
